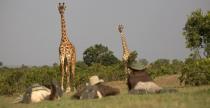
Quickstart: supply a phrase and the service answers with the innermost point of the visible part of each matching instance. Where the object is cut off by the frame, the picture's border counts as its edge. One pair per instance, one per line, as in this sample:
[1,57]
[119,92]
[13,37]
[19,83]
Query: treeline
[16,80]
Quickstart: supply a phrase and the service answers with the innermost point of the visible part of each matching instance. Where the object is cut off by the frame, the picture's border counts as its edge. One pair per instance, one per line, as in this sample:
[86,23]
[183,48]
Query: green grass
[186,97]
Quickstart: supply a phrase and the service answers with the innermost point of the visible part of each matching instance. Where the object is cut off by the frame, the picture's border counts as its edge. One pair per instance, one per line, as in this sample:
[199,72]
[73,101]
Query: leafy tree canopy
[132,57]
[144,61]
[197,31]
[160,62]
[1,64]
[99,54]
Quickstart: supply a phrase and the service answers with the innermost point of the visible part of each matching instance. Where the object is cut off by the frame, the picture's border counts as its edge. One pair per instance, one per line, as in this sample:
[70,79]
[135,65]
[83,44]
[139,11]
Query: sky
[30,29]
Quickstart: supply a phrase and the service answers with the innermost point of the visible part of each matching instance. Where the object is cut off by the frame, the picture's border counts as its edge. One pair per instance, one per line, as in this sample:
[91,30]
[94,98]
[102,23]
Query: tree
[99,54]
[177,65]
[177,62]
[195,55]
[160,67]
[132,57]
[1,64]
[197,32]
[81,64]
[55,64]
[162,62]
[144,61]
[23,66]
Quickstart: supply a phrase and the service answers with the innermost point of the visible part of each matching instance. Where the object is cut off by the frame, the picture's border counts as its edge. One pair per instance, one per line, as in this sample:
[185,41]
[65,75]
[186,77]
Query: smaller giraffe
[126,52]
[67,52]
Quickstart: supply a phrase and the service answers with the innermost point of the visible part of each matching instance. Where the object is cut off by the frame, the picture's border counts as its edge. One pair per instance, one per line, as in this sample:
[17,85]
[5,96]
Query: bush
[164,67]
[99,54]
[16,80]
[196,72]
[108,73]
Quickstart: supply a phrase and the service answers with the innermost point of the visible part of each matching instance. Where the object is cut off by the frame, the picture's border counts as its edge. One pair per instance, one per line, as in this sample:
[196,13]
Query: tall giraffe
[67,52]
[126,51]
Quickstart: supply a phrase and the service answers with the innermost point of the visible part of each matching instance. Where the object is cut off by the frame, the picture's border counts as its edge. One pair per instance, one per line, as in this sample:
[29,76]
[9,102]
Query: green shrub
[196,72]
[108,73]
[164,67]
[16,80]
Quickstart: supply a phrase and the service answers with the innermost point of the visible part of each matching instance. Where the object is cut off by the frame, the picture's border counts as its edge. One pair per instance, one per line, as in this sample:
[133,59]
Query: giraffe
[126,51]
[67,52]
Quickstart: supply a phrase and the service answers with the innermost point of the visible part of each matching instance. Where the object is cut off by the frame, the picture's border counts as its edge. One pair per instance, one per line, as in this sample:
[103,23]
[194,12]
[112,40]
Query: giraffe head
[120,28]
[61,8]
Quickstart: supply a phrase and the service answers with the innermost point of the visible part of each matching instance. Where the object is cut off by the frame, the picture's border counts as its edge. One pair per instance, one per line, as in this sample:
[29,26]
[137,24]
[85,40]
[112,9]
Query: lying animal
[137,76]
[96,89]
[139,81]
[37,93]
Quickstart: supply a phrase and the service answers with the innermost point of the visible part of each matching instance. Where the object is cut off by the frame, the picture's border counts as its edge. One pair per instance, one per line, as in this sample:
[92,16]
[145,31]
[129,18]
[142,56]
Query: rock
[149,87]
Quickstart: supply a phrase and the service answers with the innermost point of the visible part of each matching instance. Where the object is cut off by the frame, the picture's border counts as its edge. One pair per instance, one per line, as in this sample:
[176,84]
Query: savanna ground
[186,97]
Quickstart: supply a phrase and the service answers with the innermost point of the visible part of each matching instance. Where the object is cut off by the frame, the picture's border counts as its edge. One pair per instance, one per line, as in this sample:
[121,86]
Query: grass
[186,97]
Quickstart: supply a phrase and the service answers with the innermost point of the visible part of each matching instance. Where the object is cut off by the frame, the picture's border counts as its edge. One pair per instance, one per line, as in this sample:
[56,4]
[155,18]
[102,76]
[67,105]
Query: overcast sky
[30,29]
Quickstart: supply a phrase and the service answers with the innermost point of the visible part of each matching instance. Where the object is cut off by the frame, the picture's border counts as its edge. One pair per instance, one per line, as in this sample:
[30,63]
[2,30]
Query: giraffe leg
[127,72]
[68,89]
[126,68]
[73,65]
[62,71]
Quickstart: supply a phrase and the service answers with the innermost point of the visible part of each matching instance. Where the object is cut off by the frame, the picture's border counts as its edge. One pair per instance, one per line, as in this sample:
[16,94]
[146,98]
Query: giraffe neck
[125,47]
[64,35]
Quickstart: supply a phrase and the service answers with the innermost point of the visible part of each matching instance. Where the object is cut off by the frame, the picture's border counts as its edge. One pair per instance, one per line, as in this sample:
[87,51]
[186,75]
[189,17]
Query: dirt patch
[118,84]
[168,81]
[163,81]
